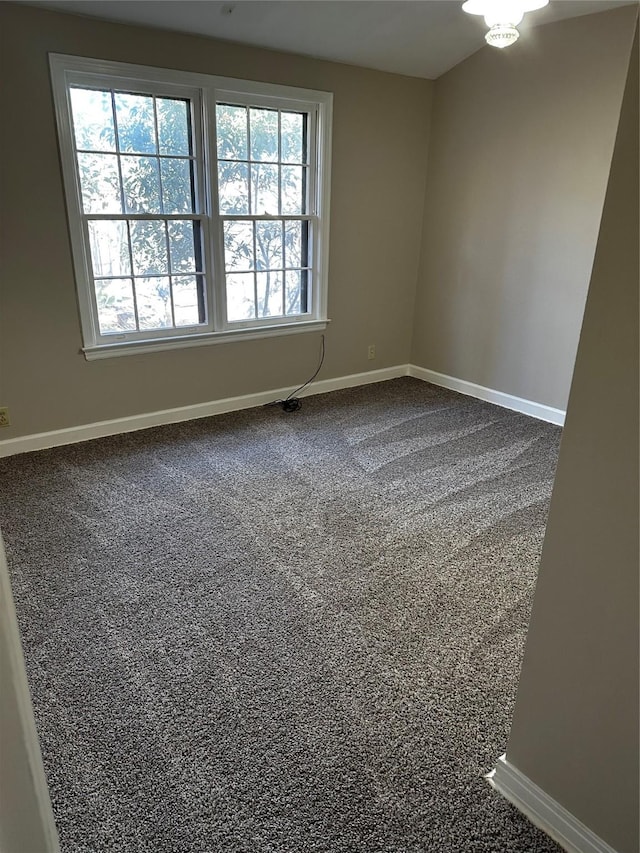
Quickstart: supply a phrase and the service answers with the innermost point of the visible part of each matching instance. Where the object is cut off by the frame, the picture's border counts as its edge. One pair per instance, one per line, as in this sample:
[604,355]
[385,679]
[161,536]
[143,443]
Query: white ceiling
[421,38]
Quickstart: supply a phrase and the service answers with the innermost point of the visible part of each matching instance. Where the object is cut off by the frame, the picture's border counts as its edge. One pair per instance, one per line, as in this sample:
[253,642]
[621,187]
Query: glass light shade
[510,15]
[502,17]
[488,7]
[502,35]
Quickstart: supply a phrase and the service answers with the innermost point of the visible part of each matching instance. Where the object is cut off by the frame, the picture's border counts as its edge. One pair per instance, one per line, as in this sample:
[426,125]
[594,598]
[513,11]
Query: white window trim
[205,90]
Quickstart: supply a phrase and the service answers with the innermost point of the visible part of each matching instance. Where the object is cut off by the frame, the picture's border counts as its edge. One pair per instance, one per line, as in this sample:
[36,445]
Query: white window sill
[133,347]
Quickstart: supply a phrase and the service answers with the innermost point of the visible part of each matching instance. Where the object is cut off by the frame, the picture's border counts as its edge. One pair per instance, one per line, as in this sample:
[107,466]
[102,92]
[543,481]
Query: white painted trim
[158,74]
[199,340]
[543,811]
[33,792]
[203,92]
[86,432]
[489,395]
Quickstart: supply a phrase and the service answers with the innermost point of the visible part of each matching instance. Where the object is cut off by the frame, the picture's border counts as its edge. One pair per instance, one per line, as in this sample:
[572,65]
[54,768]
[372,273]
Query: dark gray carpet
[283,633]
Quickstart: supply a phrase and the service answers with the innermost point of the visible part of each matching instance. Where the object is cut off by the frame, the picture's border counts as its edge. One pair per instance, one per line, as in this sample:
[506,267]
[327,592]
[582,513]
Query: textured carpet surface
[283,633]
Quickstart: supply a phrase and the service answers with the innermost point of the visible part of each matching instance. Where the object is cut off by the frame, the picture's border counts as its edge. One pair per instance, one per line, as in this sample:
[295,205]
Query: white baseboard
[543,811]
[507,401]
[85,432]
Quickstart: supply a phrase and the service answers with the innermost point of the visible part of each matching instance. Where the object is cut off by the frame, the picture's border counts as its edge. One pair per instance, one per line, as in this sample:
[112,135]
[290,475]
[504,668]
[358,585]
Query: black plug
[291,404]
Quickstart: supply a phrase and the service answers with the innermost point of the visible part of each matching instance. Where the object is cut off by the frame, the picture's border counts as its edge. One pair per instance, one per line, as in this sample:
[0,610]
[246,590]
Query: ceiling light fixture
[502,17]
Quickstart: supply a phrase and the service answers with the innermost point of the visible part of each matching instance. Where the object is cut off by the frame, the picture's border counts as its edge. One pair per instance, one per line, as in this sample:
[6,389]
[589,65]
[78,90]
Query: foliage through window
[135,160]
[263,166]
[198,206]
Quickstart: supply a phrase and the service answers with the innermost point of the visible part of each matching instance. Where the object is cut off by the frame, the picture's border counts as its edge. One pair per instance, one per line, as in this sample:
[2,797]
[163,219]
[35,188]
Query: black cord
[293,403]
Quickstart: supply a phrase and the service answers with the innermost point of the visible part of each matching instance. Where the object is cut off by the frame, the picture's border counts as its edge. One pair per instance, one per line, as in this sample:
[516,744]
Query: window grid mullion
[124,207]
[249,193]
[133,278]
[279,164]
[197,153]
[117,141]
[158,156]
[170,271]
[282,226]
[166,226]
[240,271]
[284,274]
[144,217]
[266,217]
[255,274]
[250,200]
[155,130]
[240,160]
[160,275]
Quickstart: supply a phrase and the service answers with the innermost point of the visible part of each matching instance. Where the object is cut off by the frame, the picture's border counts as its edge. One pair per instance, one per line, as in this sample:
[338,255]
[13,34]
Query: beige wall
[489,275]
[379,165]
[518,163]
[518,167]
[575,728]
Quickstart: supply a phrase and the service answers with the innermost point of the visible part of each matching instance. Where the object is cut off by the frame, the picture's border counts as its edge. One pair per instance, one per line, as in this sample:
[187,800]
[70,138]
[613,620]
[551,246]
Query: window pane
[100,183]
[109,248]
[269,245]
[264,134]
[116,312]
[292,137]
[176,186]
[293,285]
[264,189]
[240,303]
[154,302]
[293,190]
[173,126]
[294,251]
[136,126]
[231,130]
[238,246]
[233,185]
[149,247]
[269,294]
[93,119]
[182,246]
[141,184]
[185,300]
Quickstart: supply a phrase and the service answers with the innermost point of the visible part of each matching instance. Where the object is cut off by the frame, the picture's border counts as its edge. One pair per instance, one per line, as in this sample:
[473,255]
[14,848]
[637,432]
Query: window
[198,206]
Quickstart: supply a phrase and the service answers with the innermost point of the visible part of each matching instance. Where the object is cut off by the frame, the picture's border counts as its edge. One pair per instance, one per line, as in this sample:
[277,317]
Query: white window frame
[204,91]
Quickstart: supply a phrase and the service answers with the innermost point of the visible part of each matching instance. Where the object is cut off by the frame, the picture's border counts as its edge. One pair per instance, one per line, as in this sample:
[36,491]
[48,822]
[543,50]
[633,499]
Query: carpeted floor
[283,633]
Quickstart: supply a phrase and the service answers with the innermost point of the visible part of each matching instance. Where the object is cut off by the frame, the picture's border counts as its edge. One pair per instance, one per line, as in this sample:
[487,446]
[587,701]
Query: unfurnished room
[319,379]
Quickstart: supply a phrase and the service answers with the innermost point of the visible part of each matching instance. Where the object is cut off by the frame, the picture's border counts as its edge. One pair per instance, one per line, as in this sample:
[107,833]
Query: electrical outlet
[4,416]
[371,351]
